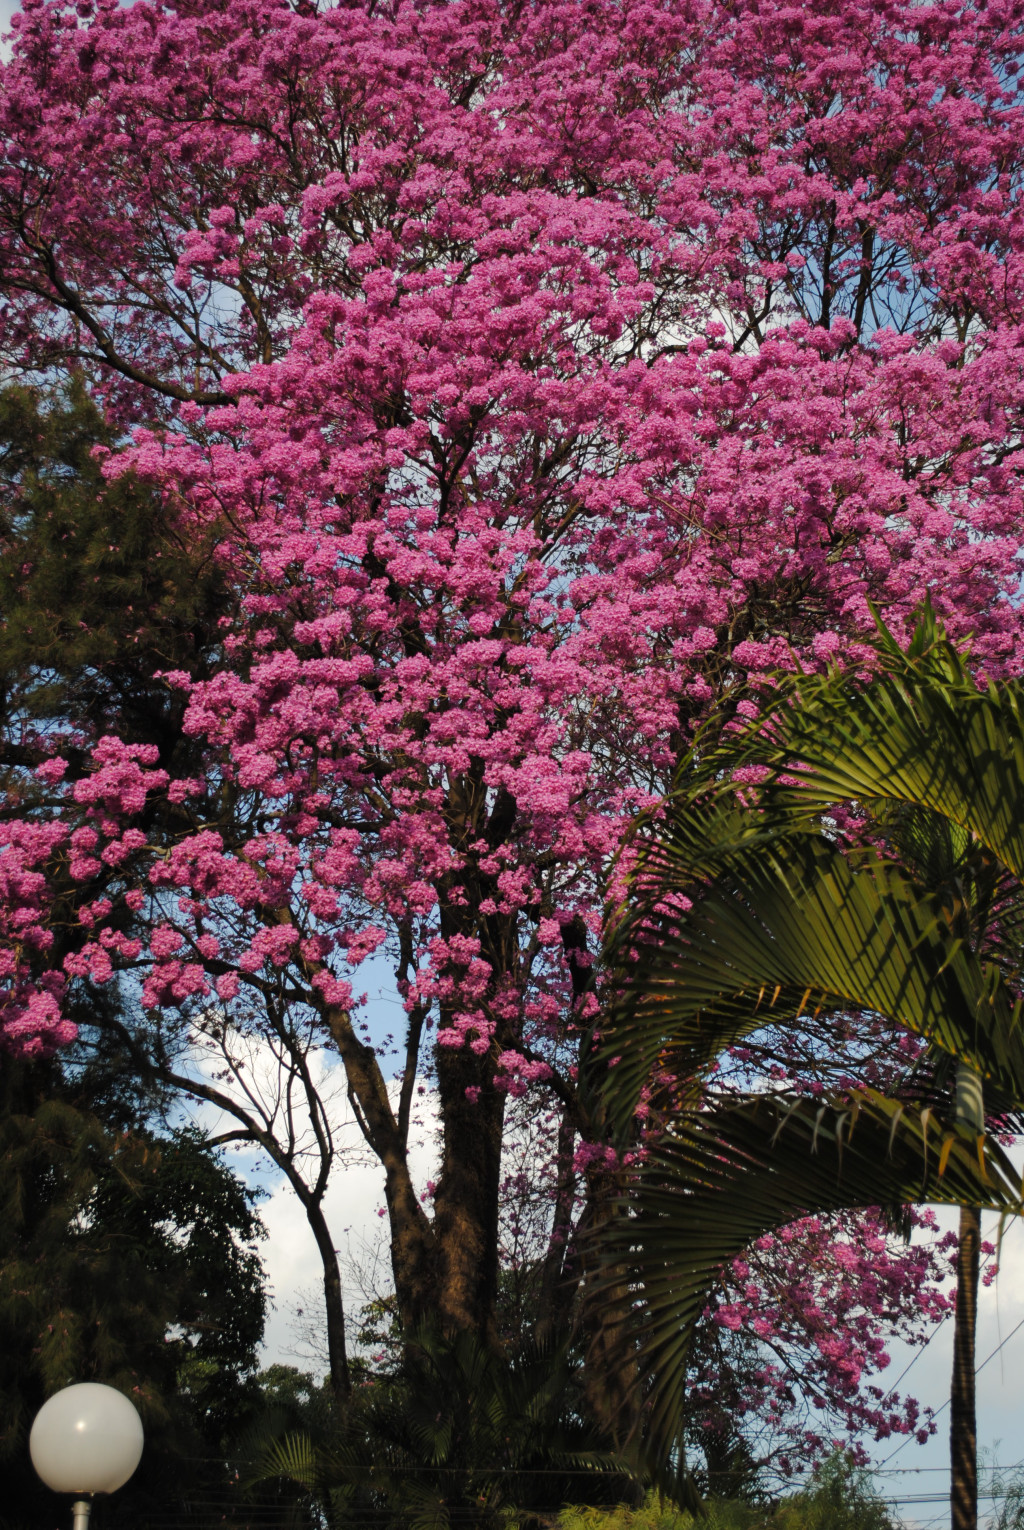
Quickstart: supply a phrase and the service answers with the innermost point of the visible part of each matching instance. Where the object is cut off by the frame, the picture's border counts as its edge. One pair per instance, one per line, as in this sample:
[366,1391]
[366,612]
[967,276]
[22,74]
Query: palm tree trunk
[963,1433]
[963,1438]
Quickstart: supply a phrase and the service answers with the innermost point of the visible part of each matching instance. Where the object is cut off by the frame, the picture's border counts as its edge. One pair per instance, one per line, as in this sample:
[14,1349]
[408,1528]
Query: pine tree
[100,589]
[126,1257]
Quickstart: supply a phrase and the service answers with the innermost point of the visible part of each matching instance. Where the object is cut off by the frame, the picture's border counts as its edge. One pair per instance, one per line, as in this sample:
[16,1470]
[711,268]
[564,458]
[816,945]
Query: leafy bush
[839,1498]
[457,1436]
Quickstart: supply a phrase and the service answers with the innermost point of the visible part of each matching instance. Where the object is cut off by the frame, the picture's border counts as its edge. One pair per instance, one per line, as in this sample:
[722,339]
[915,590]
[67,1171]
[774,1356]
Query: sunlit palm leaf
[788,927]
[922,732]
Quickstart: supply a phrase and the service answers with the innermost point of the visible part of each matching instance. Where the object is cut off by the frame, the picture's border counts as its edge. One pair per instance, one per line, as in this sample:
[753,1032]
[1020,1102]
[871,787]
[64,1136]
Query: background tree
[99,593]
[98,588]
[127,1257]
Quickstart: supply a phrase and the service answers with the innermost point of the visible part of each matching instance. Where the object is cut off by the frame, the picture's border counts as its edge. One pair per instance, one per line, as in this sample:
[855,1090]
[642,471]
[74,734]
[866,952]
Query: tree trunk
[557,1286]
[413,1248]
[468,1187]
[414,1261]
[341,1382]
[610,1373]
[445,1269]
[963,1434]
[963,1439]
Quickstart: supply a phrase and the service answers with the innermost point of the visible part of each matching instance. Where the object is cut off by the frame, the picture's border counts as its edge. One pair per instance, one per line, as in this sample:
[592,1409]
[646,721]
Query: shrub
[840,1497]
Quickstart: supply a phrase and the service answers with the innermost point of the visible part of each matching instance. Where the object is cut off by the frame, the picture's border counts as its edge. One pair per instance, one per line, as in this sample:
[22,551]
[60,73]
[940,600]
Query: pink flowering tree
[790,1362]
[542,373]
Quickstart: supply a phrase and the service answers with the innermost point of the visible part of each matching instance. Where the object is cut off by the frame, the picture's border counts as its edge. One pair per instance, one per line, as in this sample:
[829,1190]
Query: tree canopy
[529,377]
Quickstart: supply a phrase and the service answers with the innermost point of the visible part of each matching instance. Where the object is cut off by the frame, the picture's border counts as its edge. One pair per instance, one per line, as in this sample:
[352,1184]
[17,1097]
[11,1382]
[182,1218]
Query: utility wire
[919,1352]
[916,1356]
[977,1371]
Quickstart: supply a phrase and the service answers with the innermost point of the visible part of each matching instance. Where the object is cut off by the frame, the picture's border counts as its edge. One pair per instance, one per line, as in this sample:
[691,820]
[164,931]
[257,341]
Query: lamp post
[86,1439]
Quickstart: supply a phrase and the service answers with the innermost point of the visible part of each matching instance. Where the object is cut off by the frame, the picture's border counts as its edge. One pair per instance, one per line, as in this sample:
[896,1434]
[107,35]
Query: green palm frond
[748,909]
[723,1177]
[294,1457]
[921,732]
[791,928]
[461,1432]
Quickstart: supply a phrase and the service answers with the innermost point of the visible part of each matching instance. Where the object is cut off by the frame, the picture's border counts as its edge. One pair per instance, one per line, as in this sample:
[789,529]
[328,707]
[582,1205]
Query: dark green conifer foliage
[101,588]
[127,1258]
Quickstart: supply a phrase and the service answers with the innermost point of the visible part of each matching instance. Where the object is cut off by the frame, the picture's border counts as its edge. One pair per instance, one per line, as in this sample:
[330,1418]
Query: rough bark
[466,1200]
[445,1269]
[963,1438]
[963,1434]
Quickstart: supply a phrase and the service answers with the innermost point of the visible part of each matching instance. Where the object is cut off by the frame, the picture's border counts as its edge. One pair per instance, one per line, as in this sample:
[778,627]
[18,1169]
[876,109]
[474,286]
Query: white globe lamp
[86,1439]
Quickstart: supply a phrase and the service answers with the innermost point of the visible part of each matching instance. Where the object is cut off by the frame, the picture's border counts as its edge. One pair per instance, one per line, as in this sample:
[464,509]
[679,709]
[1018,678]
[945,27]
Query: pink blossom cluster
[812,1311]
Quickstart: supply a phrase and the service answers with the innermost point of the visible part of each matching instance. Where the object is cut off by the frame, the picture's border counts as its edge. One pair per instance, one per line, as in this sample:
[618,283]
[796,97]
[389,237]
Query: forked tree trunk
[445,1267]
[963,1433]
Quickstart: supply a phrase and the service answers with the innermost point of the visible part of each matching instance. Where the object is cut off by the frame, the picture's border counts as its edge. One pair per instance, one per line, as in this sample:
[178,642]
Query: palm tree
[859,851]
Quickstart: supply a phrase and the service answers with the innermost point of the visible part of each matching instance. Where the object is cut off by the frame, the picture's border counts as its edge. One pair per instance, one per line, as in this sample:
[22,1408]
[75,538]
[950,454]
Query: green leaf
[922,733]
[789,925]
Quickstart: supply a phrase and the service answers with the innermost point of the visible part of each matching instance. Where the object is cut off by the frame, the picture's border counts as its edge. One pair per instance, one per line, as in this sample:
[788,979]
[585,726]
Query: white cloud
[352,1204]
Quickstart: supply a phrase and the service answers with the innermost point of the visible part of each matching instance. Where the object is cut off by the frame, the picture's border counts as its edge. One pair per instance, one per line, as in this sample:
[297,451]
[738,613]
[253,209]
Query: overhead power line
[977,1371]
